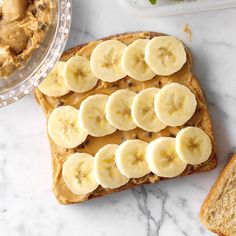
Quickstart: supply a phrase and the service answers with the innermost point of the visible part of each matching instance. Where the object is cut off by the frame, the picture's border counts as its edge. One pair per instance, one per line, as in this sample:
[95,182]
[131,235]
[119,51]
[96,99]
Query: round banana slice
[78,75]
[131,158]
[64,127]
[165,55]
[193,145]
[92,116]
[105,170]
[133,61]
[143,112]
[77,172]
[175,104]
[118,109]
[163,159]
[105,60]
[53,85]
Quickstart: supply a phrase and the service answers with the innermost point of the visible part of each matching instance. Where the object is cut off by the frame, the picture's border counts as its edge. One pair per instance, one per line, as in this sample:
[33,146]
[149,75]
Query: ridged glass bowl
[43,59]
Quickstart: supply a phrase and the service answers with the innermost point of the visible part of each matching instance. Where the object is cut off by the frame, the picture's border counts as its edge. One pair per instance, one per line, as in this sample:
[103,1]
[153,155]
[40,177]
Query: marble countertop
[27,205]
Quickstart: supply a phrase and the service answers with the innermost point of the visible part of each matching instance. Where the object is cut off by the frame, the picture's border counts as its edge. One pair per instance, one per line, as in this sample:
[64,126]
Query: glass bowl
[21,82]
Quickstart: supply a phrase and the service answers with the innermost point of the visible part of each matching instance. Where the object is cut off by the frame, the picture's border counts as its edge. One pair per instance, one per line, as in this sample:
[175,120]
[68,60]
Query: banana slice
[165,55]
[163,159]
[105,170]
[143,112]
[77,172]
[175,104]
[78,75]
[131,158]
[92,116]
[118,109]
[133,61]
[105,61]
[54,85]
[193,145]
[64,127]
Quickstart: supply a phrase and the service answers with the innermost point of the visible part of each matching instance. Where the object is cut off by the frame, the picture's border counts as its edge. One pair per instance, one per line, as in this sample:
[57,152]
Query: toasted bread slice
[218,212]
[200,119]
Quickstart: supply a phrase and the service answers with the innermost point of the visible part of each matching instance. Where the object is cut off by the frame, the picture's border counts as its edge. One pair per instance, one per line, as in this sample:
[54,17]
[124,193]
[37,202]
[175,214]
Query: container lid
[173,7]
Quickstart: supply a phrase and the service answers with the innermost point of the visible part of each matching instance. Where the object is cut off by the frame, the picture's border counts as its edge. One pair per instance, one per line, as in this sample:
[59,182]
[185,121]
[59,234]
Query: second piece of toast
[218,212]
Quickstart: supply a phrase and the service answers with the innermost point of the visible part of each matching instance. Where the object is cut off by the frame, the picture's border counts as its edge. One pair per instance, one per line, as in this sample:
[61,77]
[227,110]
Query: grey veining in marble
[27,205]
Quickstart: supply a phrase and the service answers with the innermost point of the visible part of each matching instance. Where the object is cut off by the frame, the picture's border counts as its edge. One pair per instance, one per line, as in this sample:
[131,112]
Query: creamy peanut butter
[23,26]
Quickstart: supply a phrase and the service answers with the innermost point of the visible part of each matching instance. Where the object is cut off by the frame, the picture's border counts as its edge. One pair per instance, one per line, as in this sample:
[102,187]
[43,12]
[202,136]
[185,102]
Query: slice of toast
[200,119]
[218,212]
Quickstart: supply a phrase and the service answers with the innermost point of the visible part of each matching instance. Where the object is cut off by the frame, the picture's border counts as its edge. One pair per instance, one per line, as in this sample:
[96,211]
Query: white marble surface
[27,205]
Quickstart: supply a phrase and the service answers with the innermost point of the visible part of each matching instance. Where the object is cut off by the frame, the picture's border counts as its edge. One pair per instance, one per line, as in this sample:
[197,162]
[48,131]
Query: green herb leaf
[153,2]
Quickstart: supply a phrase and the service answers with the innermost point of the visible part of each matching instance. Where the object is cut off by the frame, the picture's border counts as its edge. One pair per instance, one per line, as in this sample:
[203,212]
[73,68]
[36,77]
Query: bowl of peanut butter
[33,34]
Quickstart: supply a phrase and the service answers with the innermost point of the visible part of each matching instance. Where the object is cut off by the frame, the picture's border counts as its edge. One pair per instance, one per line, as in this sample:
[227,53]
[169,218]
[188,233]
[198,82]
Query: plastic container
[173,7]
[43,59]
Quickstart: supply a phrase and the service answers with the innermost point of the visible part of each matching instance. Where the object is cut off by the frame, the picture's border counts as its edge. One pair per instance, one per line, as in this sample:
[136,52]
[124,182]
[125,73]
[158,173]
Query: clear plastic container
[173,7]
[43,59]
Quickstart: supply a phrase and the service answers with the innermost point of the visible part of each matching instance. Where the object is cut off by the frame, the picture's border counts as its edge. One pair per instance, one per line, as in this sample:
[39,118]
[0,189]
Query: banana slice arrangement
[54,84]
[74,75]
[92,116]
[131,158]
[118,109]
[112,60]
[143,111]
[64,127]
[163,159]
[175,104]
[151,109]
[105,169]
[114,165]
[133,61]
[165,55]
[78,76]
[106,61]
[78,175]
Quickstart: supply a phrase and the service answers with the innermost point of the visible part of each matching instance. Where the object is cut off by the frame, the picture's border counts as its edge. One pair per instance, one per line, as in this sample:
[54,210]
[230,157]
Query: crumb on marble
[188,32]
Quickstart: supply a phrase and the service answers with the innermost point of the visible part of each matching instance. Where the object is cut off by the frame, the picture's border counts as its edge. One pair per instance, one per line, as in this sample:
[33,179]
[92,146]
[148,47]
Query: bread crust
[59,188]
[224,175]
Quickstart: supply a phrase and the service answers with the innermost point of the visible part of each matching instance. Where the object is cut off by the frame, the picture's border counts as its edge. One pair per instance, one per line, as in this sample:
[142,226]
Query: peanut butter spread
[23,26]
[91,145]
